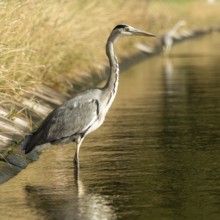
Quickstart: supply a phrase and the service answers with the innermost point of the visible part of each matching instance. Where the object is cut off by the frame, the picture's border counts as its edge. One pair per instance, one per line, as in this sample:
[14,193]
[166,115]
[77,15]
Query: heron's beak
[141,33]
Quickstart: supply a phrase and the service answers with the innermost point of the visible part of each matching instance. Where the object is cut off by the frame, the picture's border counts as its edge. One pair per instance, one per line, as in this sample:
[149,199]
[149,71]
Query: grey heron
[167,38]
[79,116]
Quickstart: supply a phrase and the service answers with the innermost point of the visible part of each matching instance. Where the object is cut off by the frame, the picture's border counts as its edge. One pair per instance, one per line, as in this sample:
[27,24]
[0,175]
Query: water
[155,157]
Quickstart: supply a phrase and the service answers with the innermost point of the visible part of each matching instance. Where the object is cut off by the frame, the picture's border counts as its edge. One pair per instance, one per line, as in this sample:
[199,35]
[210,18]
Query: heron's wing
[71,118]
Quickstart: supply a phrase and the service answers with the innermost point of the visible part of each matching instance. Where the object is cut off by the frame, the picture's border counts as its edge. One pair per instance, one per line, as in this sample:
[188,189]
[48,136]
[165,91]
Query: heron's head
[126,30]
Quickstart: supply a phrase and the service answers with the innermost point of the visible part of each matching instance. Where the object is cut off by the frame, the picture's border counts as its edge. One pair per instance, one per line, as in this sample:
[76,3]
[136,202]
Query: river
[155,157]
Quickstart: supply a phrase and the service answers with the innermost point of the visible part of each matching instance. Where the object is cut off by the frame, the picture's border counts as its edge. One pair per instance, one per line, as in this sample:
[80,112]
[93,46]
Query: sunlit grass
[54,42]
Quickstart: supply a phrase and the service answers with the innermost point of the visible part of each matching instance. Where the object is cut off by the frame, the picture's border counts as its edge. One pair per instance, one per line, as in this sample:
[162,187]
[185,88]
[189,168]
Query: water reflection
[71,201]
[167,69]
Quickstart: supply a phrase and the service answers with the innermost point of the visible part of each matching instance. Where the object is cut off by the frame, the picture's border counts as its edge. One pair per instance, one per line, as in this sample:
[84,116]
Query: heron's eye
[126,28]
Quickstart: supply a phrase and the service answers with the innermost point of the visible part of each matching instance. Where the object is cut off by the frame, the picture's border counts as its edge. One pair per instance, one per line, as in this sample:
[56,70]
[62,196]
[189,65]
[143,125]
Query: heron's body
[86,112]
[167,38]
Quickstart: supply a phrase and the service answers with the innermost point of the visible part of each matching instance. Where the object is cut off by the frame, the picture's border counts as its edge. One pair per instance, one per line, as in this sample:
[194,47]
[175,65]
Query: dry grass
[52,42]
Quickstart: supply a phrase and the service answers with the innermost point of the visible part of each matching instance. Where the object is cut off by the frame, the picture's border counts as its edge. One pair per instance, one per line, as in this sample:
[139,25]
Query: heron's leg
[78,144]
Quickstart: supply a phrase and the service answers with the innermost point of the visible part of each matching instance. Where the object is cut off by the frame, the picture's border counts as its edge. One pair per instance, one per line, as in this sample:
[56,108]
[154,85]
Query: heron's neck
[112,83]
[175,28]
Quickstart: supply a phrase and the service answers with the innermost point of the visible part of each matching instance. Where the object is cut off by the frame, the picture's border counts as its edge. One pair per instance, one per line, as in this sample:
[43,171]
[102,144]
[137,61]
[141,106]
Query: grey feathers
[86,112]
[72,118]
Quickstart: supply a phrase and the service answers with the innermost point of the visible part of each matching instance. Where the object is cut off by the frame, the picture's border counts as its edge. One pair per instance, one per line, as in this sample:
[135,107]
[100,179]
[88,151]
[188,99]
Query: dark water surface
[157,156]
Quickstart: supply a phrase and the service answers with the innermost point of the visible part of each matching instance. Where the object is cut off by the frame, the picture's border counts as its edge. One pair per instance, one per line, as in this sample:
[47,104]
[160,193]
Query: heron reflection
[70,201]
